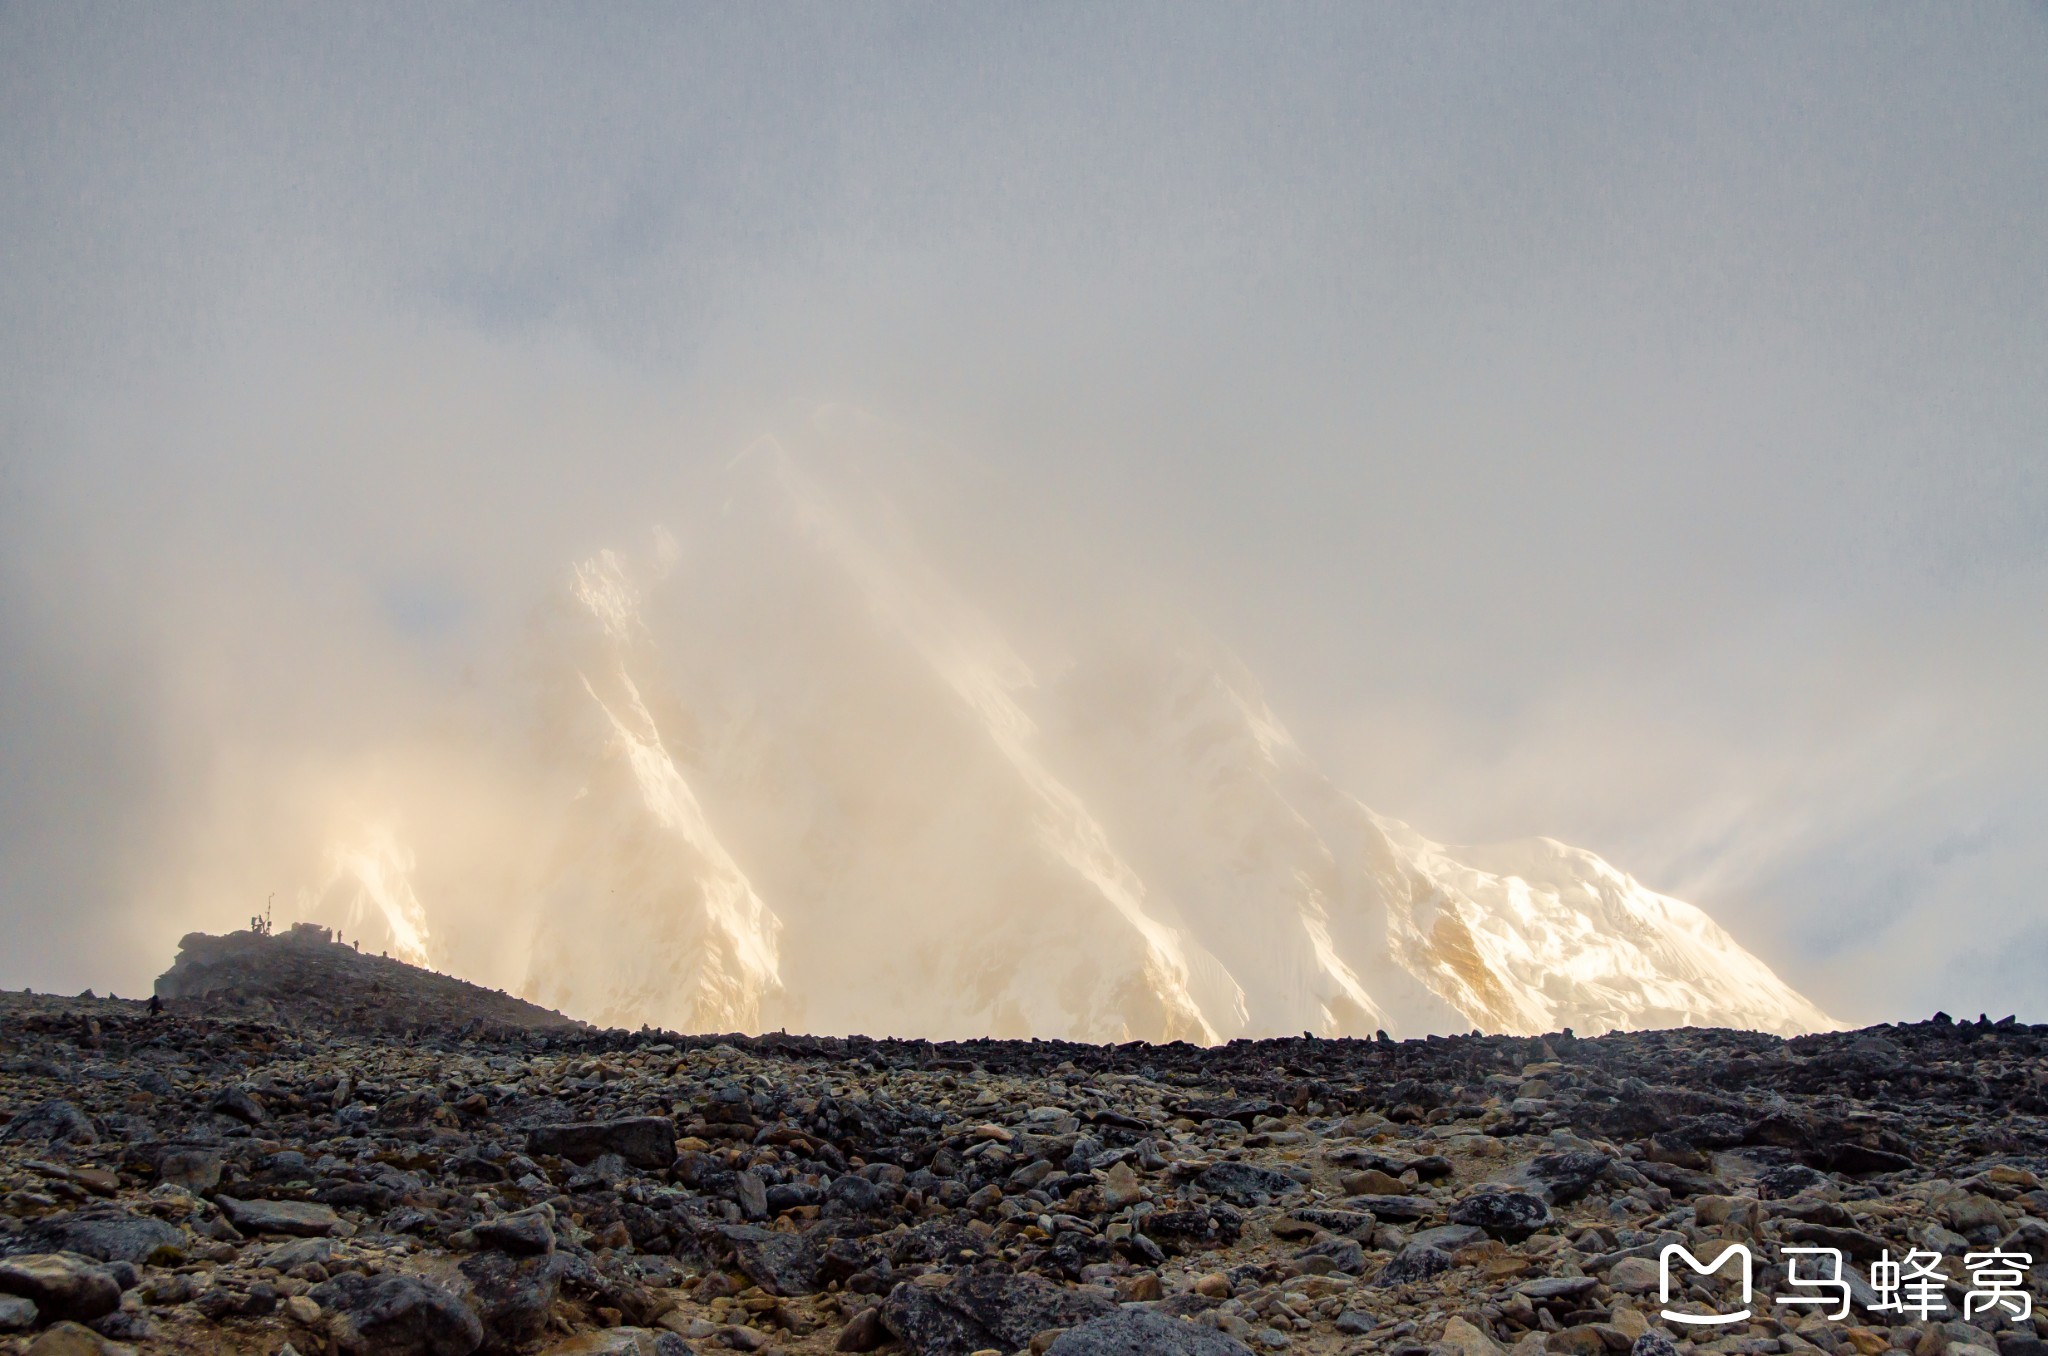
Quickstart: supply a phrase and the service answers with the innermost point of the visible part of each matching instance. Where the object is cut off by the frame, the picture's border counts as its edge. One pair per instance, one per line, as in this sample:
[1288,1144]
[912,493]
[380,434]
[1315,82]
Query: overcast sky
[1627,423]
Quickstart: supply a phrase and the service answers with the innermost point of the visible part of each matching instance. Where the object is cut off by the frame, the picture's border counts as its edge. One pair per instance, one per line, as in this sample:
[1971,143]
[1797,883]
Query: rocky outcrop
[303,974]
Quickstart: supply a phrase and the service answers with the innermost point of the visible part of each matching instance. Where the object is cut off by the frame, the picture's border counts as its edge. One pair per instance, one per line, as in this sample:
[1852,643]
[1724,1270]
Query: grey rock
[523,1234]
[1449,1237]
[302,1219]
[1144,1334]
[72,1339]
[61,1285]
[781,1264]
[752,1194]
[1351,1223]
[1560,1178]
[197,1170]
[53,1122]
[1345,1253]
[1396,1209]
[1414,1264]
[601,1173]
[241,1104]
[1558,1287]
[851,1194]
[974,1312]
[511,1297]
[622,1342]
[17,1313]
[298,1252]
[1681,1181]
[1245,1184]
[105,1234]
[1507,1215]
[643,1141]
[396,1315]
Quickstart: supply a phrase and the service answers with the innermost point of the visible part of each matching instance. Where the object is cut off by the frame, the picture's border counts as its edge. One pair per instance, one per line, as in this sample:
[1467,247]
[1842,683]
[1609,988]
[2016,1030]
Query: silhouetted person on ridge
[156,1005]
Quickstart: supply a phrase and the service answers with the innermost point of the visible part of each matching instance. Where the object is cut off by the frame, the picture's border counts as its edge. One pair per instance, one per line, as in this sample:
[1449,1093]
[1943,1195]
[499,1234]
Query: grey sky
[1626,423]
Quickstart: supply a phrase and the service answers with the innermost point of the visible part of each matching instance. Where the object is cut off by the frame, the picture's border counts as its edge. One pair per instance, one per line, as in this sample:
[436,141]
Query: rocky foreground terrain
[315,1150]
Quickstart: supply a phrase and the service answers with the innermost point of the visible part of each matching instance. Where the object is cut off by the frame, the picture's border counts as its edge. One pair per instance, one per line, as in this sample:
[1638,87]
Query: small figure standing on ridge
[156,1005]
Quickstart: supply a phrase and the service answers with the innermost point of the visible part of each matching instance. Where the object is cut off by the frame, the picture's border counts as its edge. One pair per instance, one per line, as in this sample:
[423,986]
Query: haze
[1624,424]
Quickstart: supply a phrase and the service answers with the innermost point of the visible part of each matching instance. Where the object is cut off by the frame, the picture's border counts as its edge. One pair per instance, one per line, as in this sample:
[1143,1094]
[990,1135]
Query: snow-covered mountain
[819,789]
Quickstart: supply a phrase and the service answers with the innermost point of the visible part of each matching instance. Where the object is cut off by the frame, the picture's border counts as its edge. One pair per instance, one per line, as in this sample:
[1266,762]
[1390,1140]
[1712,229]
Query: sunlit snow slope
[818,789]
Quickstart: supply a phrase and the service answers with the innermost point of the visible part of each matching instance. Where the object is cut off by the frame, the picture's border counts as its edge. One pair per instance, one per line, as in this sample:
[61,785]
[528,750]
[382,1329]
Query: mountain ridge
[821,788]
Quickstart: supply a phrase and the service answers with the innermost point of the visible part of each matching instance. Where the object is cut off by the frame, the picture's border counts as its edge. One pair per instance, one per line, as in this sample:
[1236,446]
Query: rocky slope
[229,1178]
[304,975]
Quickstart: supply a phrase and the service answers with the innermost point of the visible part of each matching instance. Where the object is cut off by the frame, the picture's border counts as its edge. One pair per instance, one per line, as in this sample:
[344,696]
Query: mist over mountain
[1624,428]
[803,781]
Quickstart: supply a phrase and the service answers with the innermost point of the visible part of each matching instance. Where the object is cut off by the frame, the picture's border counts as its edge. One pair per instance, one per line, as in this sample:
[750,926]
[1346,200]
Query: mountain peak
[814,784]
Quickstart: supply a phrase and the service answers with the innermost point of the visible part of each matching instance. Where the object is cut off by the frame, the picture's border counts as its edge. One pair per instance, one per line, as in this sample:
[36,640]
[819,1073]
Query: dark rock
[601,1173]
[1350,1223]
[976,1311]
[1414,1264]
[850,1194]
[1245,1111]
[197,1170]
[1217,1226]
[1510,1216]
[526,1233]
[1449,1237]
[751,1194]
[53,1122]
[863,1332]
[1394,1209]
[1855,1242]
[61,1285]
[1861,1160]
[1144,1334]
[396,1315]
[1560,1178]
[1347,1255]
[643,1141]
[16,1313]
[302,1219]
[1557,1287]
[1787,1179]
[1681,1181]
[72,1339]
[1245,1184]
[106,1234]
[125,1326]
[781,1264]
[510,1296]
[239,1103]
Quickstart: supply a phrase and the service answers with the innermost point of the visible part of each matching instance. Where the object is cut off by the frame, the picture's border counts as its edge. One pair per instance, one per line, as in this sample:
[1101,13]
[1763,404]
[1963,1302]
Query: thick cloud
[1623,424]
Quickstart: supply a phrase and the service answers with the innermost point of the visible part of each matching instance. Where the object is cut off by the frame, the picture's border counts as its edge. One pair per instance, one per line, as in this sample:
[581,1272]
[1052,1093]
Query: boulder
[1510,1216]
[396,1315]
[643,1141]
[975,1312]
[62,1285]
[302,1219]
[1144,1334]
